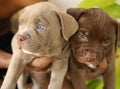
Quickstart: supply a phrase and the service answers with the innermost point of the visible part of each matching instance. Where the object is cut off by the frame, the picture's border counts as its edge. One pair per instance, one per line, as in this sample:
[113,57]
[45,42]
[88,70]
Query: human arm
[4,59]
[9,7]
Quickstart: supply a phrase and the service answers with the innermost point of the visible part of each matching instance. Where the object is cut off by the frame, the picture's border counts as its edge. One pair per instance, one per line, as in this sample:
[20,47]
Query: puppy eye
[41,27]
[106,42]
[82,36]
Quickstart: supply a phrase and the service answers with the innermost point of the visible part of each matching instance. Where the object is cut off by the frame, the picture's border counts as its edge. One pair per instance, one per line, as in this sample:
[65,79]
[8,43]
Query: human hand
[36,65]
[39,63]
[4,59]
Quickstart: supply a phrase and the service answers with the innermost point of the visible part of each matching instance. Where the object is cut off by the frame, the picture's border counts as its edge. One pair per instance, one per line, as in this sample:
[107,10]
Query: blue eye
[41,27]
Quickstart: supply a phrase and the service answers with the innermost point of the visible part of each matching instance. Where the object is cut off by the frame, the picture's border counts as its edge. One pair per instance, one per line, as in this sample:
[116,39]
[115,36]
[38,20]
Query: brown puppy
[93,47]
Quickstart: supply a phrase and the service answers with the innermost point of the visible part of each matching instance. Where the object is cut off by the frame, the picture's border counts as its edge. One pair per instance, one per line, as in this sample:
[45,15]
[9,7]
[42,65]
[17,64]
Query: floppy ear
[76,12]
[69,25]
[117,30]
[117,33]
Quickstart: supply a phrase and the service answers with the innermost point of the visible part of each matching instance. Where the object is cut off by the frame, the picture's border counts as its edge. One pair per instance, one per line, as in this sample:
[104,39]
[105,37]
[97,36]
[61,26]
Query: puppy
[43,31]
[93,47]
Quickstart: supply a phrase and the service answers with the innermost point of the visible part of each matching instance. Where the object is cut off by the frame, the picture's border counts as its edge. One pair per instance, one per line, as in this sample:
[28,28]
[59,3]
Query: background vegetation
[112,7]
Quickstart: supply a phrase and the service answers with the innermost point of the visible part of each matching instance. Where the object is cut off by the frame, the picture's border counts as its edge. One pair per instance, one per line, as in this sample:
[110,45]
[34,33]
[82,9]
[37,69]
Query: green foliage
[113,10]
[94,84]
[110,6]
[100,3]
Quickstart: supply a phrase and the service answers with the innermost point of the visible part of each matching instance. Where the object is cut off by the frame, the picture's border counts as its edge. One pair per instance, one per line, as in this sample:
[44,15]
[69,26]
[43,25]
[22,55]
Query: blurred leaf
[109,6]
[99,3]
[113,10]
[92,84]
[100,86]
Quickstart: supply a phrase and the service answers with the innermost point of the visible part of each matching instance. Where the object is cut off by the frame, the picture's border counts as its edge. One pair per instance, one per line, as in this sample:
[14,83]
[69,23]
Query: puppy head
[96,37]
[44,28]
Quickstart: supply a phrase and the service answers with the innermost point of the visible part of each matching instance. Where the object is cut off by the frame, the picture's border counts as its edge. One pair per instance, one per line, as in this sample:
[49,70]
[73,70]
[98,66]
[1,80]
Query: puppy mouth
[91,65]
[30,53]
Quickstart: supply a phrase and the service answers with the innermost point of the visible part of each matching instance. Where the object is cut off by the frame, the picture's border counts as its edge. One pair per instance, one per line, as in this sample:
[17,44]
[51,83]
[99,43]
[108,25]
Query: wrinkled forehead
[35,15]
[97,26]
[37,11]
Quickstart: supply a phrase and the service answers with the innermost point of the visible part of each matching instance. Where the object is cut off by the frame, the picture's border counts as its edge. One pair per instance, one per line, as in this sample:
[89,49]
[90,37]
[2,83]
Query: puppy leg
[58,72]
[16,67]
[77,75]
[39,79]
[78,79]
[22,81]
[101,68]
[67,84]
[109,75]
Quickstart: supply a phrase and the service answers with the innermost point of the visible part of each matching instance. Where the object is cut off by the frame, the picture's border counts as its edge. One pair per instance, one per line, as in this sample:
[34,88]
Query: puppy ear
[117,33]
[76,12]
[117,30]
[69,25]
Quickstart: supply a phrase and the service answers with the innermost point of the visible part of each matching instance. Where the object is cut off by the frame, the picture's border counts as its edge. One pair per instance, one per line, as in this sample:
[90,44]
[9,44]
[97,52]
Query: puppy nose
[21,38]
[89,56]
[90,59]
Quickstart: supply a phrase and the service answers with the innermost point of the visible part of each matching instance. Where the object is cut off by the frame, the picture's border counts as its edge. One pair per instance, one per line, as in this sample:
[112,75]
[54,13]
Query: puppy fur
[93,47]
[43,30]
